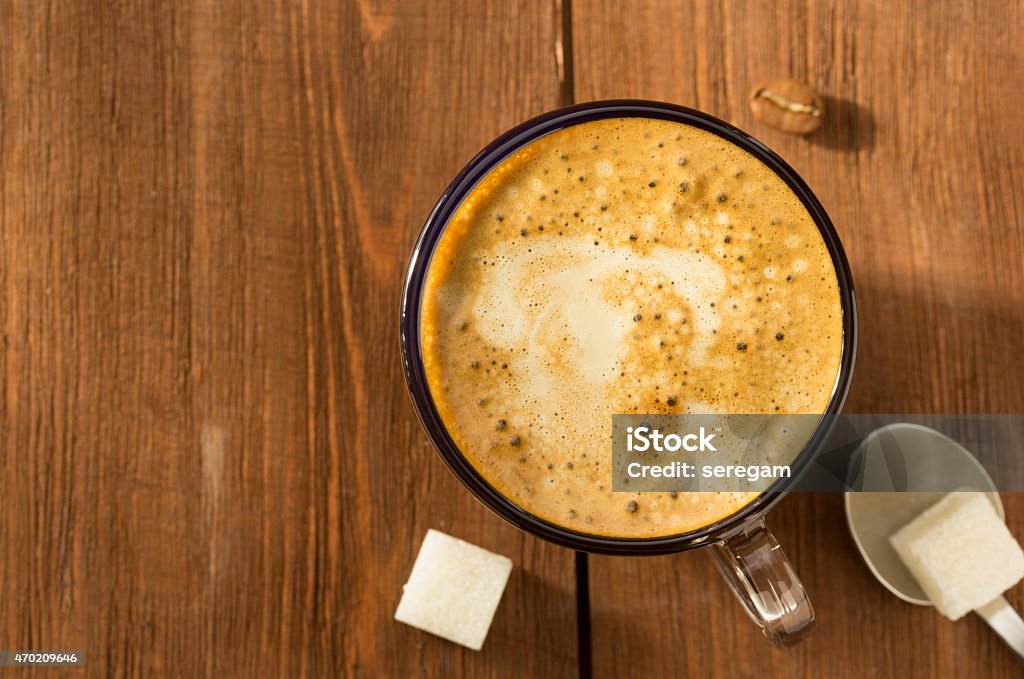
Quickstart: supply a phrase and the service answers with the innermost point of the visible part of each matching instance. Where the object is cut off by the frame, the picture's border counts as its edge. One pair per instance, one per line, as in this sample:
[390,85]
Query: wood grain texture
[919,163]
[210,464]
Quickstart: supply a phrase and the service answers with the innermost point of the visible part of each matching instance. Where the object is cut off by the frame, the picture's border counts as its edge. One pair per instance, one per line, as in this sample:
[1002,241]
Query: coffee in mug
[622,265]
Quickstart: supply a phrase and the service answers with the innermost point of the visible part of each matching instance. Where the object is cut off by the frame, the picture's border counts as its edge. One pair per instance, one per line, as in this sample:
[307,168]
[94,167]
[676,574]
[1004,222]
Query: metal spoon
[924,454]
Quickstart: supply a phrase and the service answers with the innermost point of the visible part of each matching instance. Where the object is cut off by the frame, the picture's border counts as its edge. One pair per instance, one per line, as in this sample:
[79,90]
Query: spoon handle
[1007,623]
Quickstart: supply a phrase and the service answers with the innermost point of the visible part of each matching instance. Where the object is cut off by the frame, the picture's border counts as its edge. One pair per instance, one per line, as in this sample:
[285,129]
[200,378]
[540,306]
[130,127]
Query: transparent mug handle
[764,581]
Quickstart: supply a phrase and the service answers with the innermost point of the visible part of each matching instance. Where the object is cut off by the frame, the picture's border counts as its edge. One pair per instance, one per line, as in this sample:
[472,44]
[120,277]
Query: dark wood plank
[211,467]
[919,164]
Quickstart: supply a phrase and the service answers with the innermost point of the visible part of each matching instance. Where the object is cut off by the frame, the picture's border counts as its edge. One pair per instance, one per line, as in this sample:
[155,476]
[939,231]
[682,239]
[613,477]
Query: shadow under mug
[741,546]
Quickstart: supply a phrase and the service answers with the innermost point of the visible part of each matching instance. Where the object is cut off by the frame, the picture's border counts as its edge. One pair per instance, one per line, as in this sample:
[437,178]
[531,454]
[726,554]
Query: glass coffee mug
[741,546]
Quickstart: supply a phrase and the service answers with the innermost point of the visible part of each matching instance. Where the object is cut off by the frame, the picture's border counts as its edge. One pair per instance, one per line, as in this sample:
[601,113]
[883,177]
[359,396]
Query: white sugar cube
[454,589]
[961,553]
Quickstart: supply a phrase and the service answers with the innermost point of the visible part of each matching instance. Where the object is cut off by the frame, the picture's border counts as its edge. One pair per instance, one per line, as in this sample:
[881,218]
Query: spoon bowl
[907,468]
[927,459]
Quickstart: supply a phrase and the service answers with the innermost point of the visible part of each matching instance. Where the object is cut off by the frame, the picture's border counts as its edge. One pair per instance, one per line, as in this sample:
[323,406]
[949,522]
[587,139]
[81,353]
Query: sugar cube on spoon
[454,589]
[961,553]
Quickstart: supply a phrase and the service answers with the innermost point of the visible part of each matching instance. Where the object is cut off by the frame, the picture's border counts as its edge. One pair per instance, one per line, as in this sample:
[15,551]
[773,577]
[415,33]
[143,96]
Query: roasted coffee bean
[787,105]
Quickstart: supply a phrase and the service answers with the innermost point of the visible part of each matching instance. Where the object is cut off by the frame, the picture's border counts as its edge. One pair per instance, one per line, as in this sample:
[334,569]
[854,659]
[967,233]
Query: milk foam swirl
[568,301]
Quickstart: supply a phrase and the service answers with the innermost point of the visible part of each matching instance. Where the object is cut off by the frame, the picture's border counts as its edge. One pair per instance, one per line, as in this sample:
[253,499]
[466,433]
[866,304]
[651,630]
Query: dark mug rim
[412,357]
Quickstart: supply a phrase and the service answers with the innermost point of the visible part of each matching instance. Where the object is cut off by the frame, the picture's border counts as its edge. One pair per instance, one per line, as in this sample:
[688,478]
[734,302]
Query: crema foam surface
[625,265]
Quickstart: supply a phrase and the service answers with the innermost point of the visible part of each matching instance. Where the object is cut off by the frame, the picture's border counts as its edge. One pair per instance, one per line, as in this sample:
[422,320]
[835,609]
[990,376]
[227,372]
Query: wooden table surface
[210,464]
